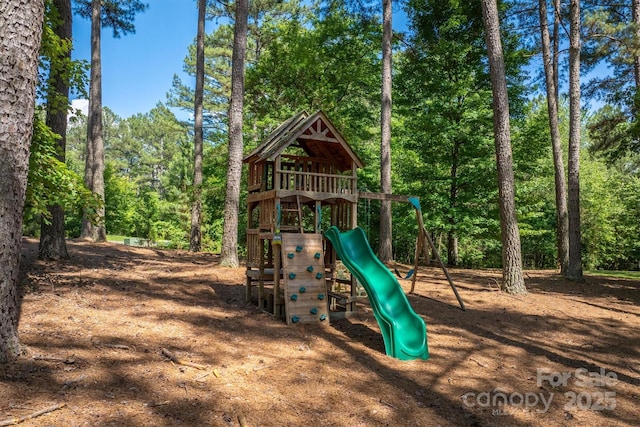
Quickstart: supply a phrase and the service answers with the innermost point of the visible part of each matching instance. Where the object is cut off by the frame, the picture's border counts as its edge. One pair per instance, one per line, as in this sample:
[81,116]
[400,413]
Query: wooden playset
[302,180]
[301,177]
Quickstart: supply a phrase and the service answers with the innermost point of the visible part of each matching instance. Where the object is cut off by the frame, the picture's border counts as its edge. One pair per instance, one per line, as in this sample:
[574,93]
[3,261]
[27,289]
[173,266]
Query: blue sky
[137,69]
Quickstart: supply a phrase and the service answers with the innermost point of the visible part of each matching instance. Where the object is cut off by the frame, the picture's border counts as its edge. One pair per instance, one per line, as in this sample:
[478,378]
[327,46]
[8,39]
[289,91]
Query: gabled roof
[315,134]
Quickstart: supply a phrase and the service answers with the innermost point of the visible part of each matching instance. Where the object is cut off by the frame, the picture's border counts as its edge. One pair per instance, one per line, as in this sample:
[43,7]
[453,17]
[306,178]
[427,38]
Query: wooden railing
[300,174]
[256,175]
[253,248]
[316,182]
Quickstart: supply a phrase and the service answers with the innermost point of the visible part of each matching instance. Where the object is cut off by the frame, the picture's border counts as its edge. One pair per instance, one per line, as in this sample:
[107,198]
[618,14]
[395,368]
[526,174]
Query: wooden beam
[318,137]
[385,196]
[313,195]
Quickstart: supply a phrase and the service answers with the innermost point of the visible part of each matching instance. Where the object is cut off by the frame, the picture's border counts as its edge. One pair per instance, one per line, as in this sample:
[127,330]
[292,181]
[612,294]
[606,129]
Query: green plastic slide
[403,331]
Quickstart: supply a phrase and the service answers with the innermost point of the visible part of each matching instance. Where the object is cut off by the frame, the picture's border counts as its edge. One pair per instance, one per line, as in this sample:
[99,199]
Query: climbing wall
[305,292]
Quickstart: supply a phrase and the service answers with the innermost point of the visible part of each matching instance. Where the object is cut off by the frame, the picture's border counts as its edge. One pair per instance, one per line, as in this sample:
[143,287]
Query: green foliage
[610,204]
[121,202]
[119,15]
[147,174]
[444,98]
[535,186]
[611,134]
[633,275]
[50,182]
[610,40]
[330,62]
[303,57]
[443,130]
[149,158]
[55,61]
[217,85]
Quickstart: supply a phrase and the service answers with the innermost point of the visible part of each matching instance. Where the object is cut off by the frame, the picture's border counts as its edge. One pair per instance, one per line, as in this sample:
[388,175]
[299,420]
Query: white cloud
[79,105]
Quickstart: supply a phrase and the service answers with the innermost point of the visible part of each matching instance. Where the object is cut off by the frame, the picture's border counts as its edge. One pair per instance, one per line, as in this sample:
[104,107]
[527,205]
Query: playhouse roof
[314,133]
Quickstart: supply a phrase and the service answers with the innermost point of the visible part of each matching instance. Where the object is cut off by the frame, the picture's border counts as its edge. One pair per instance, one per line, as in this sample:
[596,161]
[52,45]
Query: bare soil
[95,327]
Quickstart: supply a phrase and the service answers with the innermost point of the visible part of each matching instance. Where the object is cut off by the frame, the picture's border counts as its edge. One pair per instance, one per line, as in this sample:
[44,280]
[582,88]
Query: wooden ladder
[298,211]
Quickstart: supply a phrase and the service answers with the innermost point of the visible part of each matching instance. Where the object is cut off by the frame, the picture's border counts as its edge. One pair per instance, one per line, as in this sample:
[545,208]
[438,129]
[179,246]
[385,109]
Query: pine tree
[512,278]
[20,35]
[234,171]
[195,239]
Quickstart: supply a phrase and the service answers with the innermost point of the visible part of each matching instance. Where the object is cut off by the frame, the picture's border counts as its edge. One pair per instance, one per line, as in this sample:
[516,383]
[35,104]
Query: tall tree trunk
[635,16]
[229,253]
[574,269]
[452,235]
[512,278]
[195,241]
[52,233]
[452,248]
[385,252]
[94,228]
[562,227]
[556,43]
[20,35]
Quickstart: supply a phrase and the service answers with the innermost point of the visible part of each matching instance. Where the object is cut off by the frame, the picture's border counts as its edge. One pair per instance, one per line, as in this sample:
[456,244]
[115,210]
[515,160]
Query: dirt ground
[95,328]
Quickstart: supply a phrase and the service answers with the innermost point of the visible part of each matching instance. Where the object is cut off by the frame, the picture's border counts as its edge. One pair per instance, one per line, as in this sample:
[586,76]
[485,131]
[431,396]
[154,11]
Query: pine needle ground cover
[130,336]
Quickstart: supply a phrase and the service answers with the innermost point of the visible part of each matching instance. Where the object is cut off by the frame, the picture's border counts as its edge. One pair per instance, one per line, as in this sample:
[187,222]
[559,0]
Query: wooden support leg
[424,241]
[277,267]
[248,288]
[444,268]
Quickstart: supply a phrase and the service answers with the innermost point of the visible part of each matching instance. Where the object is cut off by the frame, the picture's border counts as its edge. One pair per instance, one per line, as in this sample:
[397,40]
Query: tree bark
[385,252]
[562,227]
[452,235]
[556,43]
[512,277]
[53,245]
[94,228]
[574,268]
[635,16]
[20,35]
[229,253]
[452,248]
[195,241]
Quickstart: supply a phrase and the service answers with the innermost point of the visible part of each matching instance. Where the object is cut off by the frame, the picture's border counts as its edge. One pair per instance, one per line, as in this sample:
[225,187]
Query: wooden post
[318,217]
[421,246]
[353,306]
[277,267]
[248,288]
[277,185]
[249,243]
[261,272]
[415,262]
[425,239]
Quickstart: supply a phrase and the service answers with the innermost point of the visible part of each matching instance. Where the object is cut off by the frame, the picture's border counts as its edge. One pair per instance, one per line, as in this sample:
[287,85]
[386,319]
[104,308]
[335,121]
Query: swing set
[424,243]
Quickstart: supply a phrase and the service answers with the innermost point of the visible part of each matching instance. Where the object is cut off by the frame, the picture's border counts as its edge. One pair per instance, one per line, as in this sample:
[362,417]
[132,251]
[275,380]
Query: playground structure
[303,180]
[301,176]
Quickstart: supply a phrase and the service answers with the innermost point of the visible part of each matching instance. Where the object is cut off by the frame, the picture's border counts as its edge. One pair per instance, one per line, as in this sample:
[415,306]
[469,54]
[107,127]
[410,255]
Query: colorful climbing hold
[319,276]
[292,276]
[294,297]
[310,268]
[320,296]
[295,319]
[298,248]
[317,255]
[302,289]
[290,256]
[313,311]
[323,317]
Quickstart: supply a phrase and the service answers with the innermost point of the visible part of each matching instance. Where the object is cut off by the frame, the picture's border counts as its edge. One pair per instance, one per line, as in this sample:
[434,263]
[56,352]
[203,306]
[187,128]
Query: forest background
[326,55]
